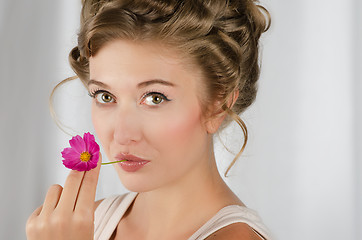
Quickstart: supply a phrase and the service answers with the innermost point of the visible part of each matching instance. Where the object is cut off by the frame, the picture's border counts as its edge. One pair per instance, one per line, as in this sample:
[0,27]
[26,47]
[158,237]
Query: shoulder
[235,231]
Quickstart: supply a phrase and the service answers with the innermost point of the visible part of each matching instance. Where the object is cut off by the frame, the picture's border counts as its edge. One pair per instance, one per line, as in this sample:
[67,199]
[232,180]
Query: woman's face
[146,107]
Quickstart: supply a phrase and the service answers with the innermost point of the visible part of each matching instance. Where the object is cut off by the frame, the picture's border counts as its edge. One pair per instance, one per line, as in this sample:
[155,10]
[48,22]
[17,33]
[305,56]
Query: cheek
[101,127]
[96,121]
[178,132]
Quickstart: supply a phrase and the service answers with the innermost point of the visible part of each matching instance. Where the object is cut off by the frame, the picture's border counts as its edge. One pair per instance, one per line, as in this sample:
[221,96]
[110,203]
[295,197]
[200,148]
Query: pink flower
[83,154]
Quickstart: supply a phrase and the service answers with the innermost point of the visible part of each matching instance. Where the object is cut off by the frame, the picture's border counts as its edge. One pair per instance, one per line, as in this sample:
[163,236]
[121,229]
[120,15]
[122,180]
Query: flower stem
[113,162]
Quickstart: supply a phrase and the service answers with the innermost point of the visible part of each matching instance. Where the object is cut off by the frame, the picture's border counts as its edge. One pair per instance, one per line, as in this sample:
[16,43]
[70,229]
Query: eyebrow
[95,82]
[139,85]
[155,81]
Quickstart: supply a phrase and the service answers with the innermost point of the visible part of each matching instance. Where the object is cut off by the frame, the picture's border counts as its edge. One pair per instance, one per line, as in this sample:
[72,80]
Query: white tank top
[111,210]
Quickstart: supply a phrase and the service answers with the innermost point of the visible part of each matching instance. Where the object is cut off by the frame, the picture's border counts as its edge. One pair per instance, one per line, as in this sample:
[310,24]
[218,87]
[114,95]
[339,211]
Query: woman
[164,77]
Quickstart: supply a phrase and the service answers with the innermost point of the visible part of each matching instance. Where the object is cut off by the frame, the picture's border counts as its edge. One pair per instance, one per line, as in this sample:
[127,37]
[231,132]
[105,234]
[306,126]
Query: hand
[67,213]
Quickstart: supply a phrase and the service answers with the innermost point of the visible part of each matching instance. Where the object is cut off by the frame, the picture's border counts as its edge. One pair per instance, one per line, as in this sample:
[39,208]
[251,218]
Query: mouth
[132,163]
[129,157]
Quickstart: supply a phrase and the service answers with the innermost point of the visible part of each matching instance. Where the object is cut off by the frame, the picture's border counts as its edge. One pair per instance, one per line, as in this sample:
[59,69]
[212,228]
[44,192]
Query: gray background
[302,167]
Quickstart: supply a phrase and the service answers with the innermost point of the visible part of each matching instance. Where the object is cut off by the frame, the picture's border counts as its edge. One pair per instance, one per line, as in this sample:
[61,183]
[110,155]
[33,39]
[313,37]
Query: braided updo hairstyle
[220,36]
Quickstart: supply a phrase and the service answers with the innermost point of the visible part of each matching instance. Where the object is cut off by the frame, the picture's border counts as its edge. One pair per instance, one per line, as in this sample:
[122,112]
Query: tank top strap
[109,213]
[229,215]
[111,210]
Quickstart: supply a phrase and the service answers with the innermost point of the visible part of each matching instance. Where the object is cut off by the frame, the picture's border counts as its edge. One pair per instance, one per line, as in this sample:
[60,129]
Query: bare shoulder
[235,231]
[96,203]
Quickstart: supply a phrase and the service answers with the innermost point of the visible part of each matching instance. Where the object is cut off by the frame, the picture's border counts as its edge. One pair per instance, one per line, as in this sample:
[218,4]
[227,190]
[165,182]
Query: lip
[132,164]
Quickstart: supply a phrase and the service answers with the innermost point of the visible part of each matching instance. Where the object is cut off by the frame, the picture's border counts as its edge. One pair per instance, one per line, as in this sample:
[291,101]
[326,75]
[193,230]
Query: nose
[127,127]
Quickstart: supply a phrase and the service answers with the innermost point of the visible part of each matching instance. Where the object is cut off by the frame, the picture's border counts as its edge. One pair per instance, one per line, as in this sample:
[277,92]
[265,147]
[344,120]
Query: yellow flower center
[85,156]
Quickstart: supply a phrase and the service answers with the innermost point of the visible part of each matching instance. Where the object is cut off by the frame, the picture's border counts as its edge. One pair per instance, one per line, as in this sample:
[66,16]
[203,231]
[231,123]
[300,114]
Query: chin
[139,188]
[135,182]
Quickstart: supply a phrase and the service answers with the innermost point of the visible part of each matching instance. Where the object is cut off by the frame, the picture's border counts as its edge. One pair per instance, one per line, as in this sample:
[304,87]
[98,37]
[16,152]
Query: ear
[215,119]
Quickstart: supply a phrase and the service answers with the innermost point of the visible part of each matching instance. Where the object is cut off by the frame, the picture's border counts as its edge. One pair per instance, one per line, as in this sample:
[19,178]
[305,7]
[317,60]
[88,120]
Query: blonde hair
[220,36]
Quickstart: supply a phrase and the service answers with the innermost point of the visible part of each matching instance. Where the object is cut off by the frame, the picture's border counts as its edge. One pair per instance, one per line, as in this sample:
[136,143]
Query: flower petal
[78,144]
[80,166]
[93,148]
[94,159]
[70,153]
[70,164]
[88,139]
[92,165]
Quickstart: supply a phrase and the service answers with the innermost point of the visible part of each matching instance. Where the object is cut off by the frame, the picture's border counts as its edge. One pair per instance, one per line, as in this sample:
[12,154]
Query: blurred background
[302,169]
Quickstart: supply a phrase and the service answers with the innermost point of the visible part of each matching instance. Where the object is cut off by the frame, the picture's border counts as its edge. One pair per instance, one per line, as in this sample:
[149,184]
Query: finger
[51,199]
[88,188]
[70,191]
[35,213]
[31,223]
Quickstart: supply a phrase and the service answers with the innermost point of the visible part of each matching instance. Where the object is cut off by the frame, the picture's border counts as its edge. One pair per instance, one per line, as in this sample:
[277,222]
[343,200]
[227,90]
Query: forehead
[126,53]
[138,61]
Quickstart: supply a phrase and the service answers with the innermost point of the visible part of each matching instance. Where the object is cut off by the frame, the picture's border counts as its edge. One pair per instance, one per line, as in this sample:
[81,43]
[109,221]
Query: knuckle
[86,213]
[59,221]
[30,227]
[36,228]
[42,224]
[83,221]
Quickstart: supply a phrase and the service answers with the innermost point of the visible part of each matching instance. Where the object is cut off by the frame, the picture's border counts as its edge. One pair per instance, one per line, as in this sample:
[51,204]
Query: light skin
[67,213]
[147,103]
